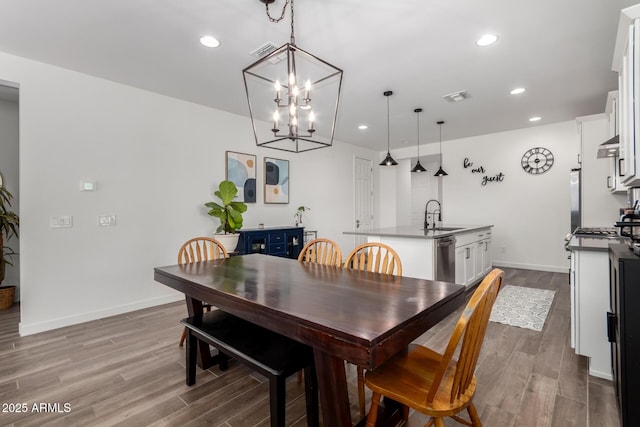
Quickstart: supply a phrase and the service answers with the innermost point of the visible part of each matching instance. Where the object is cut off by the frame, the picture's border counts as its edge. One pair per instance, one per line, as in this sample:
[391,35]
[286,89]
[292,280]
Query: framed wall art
[241,170]
[276,180]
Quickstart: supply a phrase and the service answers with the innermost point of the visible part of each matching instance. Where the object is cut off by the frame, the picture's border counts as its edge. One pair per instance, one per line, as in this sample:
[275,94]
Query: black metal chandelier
[388,161]
[418,167]
[293,96]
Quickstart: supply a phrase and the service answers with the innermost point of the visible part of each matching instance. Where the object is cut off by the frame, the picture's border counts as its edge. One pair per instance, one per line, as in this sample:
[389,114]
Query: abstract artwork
[241,170]
[276,180]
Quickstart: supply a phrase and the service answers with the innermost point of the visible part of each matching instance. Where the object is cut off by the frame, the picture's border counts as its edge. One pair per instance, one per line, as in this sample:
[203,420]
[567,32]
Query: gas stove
[597,232]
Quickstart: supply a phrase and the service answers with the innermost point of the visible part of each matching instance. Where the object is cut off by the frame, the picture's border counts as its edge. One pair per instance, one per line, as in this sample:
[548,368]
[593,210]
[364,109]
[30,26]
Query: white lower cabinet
[483,257]
[465,264]
[473,256]
[589,281]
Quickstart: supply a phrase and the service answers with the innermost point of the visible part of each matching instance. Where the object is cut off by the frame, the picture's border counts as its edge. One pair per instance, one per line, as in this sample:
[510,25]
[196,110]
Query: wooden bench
[268,353]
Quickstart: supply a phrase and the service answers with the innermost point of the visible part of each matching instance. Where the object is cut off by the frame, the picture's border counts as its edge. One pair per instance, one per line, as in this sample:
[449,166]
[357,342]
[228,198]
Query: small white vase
[229,241]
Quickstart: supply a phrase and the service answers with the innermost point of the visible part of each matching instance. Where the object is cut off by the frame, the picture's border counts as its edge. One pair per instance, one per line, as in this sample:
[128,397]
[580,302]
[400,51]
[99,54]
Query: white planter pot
[229,241]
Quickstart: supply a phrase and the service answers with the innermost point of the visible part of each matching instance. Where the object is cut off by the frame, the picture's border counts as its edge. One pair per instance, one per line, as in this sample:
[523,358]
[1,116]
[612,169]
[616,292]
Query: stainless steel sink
[443,228]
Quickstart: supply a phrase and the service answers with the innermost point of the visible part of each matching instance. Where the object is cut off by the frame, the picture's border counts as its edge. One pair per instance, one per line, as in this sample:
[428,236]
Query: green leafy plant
[9,223]
[299,212]
[228,212]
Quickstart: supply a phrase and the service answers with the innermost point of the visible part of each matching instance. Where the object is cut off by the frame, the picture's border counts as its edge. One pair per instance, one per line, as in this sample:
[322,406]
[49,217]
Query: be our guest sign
[499,177]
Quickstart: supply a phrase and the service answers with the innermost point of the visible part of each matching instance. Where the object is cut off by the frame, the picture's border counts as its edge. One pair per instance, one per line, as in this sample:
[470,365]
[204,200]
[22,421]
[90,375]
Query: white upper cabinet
[626,61]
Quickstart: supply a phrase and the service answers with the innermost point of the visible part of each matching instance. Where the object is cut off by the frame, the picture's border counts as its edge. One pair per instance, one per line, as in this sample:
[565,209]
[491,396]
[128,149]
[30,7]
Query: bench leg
[311,395]
[277,400]
[191,355]
[223,361]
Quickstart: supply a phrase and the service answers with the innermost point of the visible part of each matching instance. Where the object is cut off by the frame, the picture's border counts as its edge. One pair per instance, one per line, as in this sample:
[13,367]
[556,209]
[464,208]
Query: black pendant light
[388,161]
[418,167]
[441,171]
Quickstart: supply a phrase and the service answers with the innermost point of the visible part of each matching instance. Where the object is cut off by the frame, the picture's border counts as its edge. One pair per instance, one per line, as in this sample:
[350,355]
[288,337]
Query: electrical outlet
[65,221]
[106,220]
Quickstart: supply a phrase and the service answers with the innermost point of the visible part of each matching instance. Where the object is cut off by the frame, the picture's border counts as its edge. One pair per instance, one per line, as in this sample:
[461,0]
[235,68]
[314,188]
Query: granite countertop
[598,244]
[419,233]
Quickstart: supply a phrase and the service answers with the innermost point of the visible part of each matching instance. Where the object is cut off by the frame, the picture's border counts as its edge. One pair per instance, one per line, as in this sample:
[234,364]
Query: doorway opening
[10,178]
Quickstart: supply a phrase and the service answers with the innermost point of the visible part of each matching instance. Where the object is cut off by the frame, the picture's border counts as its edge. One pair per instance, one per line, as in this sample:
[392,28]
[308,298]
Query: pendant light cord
[388,131]
[440,124]
[418,115]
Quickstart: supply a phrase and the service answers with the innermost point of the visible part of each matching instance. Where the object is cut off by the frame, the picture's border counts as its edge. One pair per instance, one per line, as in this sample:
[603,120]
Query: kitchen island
[422,255]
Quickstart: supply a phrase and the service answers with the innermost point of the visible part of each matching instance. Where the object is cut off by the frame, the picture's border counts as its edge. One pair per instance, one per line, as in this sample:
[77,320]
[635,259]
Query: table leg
[204,360]
[332,388]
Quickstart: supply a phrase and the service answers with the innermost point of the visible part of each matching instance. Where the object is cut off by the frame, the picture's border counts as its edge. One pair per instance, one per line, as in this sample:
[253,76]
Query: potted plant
[298,215]
[9,223]
[229,213]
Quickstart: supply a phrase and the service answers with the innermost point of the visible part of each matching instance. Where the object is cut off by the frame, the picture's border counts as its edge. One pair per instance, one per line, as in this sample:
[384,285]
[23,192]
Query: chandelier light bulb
[312,118]
[276,117]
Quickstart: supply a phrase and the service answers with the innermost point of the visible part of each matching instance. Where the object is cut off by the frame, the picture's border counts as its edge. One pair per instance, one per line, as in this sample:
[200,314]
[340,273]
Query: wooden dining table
[362,317]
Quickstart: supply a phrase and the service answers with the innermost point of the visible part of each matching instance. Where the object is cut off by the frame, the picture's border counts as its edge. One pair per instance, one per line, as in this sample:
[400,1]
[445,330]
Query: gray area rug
[522,307]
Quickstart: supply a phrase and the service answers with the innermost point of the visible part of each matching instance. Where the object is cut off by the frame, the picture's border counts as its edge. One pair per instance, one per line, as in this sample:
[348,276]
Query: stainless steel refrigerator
[575,199]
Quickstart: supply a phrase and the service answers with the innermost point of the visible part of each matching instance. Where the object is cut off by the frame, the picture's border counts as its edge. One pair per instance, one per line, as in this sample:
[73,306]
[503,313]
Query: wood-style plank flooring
[128,370]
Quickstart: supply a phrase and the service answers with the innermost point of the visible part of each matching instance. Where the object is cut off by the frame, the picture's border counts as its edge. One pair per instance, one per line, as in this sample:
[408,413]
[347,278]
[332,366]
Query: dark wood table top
[357,316]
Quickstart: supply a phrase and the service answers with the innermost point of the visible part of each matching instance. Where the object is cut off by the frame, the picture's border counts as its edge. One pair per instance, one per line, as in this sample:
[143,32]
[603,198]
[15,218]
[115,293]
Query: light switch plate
[64,221]
[106,220]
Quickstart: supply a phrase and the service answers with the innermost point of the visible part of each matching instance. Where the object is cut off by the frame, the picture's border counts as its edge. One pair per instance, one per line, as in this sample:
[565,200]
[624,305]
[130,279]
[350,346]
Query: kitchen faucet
[426,213]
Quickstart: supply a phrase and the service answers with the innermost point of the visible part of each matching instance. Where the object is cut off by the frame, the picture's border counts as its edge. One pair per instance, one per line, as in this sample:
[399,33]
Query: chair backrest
[375,257]
[321,251]
[470,329]
[201,249]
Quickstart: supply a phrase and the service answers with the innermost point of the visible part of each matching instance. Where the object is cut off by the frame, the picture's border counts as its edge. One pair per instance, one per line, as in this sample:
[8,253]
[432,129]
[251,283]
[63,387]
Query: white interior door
[363,197]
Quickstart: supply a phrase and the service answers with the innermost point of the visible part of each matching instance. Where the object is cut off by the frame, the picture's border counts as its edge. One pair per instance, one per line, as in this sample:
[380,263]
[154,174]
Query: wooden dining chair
[321,251]
[375,257]
[378,258]
[196,250]
[436,384]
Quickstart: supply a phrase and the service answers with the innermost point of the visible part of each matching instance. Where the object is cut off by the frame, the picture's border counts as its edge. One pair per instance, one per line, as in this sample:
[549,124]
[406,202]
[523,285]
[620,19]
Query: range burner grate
[596,232]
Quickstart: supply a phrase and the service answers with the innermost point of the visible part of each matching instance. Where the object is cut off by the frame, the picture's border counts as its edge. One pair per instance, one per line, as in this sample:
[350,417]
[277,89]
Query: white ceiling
[560,50]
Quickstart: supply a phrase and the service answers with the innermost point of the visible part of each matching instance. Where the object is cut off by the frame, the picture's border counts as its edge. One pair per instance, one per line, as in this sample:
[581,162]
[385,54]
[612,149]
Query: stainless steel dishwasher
[445,259]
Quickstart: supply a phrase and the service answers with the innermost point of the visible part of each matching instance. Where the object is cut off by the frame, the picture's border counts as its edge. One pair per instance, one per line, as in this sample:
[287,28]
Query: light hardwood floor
[128,370]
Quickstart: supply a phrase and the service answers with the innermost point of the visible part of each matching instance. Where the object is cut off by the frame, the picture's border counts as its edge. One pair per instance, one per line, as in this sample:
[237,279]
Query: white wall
[530,212]
[155,160]
[9,168]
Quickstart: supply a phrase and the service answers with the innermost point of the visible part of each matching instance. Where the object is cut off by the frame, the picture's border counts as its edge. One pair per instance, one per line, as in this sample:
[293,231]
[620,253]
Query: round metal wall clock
[537,160]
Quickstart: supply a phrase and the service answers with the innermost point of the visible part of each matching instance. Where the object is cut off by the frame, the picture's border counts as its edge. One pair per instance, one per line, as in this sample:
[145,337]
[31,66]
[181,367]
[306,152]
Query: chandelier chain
[276,20]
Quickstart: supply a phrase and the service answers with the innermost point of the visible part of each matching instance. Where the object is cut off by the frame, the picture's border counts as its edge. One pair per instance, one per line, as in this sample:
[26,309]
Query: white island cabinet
[473,256]
[417,249]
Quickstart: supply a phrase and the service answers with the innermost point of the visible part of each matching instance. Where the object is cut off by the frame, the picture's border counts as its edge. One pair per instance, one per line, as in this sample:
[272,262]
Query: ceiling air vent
[461,95]
[264,50]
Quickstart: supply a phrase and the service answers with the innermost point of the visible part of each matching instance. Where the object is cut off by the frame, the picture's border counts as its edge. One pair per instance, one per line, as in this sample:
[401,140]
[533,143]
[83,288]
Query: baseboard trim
[34,328]
[549,268]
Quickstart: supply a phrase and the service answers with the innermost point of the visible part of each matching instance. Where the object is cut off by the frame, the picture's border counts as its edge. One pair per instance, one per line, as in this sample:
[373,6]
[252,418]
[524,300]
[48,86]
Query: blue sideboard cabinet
[277,241]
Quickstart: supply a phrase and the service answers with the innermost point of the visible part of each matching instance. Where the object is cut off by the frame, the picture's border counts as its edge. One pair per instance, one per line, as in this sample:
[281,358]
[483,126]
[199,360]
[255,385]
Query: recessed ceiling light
[487,39]
[517,91]
[535,119]
[209,41]
[363,127]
